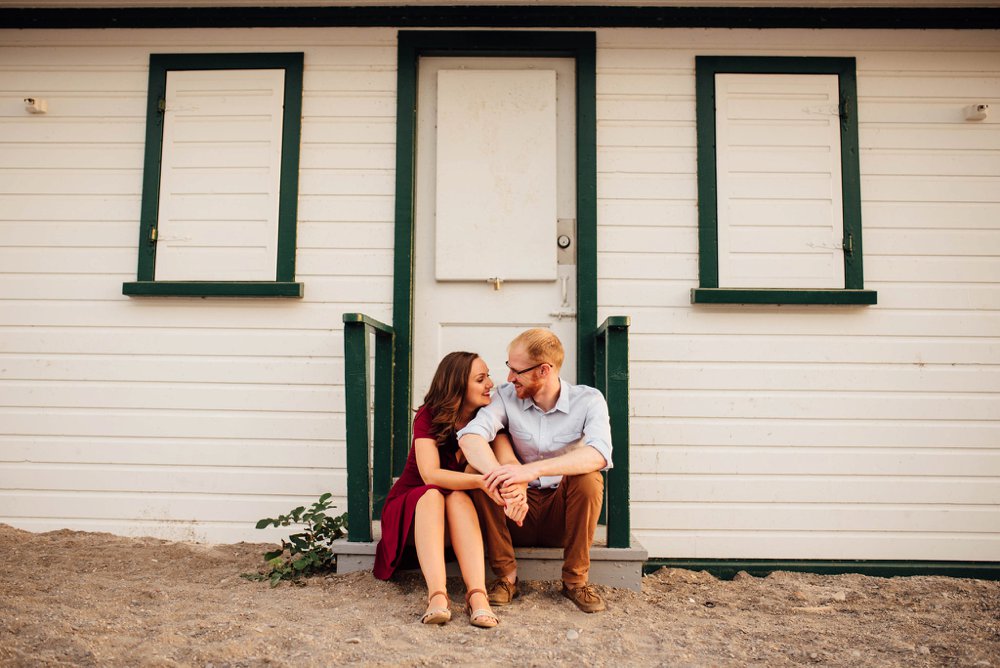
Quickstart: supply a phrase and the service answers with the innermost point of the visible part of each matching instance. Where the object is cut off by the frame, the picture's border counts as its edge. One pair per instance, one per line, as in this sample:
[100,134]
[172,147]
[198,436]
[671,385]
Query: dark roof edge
[960,18]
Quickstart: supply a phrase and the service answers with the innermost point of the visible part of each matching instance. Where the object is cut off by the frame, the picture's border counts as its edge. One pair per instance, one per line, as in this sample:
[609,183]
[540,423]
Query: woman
[430,495]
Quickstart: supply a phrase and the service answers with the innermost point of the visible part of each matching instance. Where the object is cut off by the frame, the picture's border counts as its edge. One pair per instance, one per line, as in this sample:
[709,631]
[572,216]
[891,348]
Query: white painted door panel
[477,219]
[496,174]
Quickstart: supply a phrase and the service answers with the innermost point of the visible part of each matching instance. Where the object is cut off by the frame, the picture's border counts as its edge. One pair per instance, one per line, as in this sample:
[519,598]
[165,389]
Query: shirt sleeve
[597,427]
[488,421]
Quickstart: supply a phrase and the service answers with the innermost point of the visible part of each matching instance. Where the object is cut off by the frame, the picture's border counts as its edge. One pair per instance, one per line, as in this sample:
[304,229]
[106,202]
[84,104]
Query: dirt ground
[83,599]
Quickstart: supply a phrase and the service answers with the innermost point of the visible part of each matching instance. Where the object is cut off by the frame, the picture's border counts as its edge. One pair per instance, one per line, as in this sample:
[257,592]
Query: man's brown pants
[564,517]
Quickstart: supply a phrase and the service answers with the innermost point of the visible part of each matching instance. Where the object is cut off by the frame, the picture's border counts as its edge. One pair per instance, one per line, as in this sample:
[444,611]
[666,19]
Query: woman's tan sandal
[481,617]
[437,615]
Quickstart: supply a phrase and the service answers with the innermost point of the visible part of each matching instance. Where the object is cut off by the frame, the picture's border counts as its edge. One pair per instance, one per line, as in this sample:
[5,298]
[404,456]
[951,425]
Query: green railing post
[601,383]
[383,451]
[611,367]
[365,480]
[359,507]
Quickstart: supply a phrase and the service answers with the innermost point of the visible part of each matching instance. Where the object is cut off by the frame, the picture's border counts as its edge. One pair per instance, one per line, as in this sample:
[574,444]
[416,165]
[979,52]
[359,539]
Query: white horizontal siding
[757,432]
[171,451]
[813,432]
[181,418]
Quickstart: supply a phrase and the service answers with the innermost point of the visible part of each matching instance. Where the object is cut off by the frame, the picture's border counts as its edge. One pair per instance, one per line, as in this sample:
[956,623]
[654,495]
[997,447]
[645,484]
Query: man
[561,437]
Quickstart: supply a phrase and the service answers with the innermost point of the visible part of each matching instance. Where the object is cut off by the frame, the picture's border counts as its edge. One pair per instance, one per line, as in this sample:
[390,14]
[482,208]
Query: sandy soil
[72,598]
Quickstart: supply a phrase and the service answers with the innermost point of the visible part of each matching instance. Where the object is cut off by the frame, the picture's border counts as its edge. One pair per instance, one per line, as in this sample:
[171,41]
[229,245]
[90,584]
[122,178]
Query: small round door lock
[563,241]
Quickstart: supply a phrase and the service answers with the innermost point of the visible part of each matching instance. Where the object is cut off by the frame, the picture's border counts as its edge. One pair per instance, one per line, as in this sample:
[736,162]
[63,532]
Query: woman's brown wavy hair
[444,398]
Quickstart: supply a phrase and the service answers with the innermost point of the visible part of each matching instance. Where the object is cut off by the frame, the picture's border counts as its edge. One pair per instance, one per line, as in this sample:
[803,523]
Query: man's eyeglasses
[523,371]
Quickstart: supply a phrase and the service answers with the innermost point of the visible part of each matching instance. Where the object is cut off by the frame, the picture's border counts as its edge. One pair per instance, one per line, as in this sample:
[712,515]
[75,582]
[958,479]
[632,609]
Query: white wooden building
[856,419]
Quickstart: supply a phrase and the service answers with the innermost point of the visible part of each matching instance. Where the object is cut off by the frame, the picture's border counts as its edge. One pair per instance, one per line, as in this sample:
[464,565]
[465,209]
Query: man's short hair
[541,345]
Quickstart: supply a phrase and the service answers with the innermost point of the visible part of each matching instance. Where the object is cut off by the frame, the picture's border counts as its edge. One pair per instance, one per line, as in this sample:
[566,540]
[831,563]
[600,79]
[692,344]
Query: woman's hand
[515,493]
[516,507]
[515,498]
[516,513]
[492,493]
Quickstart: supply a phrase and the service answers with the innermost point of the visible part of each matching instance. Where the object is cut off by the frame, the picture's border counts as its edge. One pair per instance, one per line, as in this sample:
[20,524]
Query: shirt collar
[562,403]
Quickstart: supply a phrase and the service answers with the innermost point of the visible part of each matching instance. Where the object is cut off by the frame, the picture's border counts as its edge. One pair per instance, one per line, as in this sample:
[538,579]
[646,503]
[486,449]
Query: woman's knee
[432,498]
[458,499]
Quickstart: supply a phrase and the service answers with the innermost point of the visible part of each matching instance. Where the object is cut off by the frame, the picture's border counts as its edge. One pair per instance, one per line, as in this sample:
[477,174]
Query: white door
[495,209]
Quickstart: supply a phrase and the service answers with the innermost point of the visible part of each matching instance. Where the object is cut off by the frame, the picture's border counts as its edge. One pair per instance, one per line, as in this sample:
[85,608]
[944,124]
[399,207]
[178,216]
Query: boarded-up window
[779,200]
[221,175]
[781,222]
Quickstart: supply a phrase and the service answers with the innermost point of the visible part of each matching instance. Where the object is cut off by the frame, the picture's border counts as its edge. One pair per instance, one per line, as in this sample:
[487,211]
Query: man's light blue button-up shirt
[580,415]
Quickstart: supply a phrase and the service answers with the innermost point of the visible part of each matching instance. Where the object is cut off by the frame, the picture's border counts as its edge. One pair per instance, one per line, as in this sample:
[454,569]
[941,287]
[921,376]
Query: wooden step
[614,567]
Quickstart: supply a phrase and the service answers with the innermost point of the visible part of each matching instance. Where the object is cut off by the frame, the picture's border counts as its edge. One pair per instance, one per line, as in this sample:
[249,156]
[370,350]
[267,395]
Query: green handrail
[368,481]
[611,378]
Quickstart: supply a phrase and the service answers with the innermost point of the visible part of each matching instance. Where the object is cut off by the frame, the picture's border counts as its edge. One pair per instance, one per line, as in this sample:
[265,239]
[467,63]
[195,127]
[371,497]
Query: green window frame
[709,290]
[284,284]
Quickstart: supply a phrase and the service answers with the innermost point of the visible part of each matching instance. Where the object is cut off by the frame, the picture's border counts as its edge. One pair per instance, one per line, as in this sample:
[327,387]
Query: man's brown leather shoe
[585,596]
[501,592]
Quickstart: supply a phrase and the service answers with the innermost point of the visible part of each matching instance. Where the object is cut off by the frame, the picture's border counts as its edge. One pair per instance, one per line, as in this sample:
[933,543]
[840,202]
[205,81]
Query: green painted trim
[601,383]
[148,212]
[427,16]
[413,45]
[402,293]
[708,191]
[586,208]
[368,320]
[763,296]
[614,321]
[774,65]
[496,42]
[617,394]
[706,67]
[368,468]
[212,289]
[229,61]
[382,422]
[725,569]
[159,66]
[850,174]
[356,402]
[288,188]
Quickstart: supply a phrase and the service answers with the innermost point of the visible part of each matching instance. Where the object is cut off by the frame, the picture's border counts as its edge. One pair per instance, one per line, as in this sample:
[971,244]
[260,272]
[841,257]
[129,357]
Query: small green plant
[306,552]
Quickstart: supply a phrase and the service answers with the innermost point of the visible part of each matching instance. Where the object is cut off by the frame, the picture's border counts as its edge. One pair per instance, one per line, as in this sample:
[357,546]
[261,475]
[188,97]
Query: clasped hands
[507,485]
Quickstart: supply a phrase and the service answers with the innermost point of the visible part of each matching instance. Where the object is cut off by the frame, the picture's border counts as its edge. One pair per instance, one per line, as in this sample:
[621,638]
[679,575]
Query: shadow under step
[610,566]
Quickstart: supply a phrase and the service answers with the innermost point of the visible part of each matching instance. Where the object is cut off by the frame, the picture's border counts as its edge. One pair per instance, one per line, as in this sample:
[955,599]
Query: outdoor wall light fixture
[977,112]
[35,105]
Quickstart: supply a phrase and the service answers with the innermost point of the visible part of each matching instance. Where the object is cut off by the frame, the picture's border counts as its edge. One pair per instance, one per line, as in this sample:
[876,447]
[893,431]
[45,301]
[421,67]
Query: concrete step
[614,567]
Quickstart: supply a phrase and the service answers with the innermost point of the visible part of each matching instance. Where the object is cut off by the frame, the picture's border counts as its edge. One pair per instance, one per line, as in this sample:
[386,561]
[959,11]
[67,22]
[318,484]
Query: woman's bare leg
[428,535]
[467,542]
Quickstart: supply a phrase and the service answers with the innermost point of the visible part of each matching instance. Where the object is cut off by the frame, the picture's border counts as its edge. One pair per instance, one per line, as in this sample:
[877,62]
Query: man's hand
[510,474]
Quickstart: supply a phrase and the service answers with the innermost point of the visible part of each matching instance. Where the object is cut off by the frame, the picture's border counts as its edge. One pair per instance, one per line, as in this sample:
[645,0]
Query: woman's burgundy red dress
[401,503]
